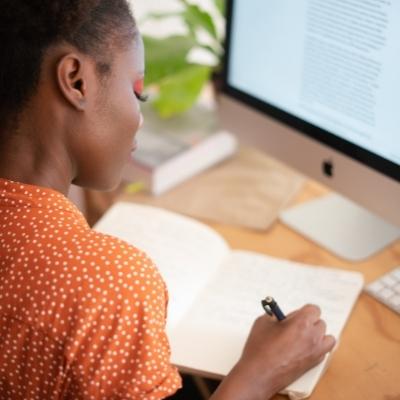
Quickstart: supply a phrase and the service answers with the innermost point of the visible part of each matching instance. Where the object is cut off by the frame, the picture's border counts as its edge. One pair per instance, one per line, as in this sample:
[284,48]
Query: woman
[82,315]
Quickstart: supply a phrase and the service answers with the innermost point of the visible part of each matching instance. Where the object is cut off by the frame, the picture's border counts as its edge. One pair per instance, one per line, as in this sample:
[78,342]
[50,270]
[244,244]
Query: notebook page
[186,252]
[220,319]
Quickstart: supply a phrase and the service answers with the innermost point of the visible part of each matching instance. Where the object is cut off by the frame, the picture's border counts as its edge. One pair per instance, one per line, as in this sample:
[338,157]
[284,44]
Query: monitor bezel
[343,146]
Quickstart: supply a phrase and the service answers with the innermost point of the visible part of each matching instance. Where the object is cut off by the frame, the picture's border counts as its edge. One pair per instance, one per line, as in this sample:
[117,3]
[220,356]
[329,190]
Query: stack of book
[173,150]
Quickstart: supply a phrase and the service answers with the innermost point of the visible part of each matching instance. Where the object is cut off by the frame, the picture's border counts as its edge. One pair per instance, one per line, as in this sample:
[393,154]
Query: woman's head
[70,68]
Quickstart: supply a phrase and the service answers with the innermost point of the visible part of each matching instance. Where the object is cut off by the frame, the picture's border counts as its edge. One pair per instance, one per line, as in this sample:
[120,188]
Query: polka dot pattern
[82,314]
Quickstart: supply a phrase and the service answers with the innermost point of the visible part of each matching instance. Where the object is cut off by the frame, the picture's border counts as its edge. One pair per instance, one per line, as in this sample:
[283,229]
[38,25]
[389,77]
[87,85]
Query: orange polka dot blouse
[82,314]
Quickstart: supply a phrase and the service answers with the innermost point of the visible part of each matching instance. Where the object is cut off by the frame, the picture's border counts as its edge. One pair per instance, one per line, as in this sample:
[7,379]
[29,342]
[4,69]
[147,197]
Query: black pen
[271,307]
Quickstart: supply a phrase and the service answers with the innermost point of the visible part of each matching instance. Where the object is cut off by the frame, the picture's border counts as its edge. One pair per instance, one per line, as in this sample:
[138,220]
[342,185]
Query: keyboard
[386,289]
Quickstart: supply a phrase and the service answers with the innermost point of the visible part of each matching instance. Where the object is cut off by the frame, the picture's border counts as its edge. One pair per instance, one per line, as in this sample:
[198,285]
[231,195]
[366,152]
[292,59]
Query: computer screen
[327,70]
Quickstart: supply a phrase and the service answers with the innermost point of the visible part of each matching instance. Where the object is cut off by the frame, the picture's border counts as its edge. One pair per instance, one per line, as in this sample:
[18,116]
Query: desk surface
[367,363]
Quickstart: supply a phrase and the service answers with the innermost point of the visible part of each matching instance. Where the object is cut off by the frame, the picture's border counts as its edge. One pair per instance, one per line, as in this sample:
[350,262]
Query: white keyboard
[387,289]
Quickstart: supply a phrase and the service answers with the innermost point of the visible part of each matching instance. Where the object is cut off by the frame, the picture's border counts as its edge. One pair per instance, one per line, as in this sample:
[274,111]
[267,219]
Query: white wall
[142,7]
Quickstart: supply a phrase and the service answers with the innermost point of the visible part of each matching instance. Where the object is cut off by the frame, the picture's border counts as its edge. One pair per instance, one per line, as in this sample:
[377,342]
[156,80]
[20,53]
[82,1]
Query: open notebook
[215,292]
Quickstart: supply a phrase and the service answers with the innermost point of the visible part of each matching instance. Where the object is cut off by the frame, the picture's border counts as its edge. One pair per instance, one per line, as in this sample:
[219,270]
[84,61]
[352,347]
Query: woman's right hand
[277,353]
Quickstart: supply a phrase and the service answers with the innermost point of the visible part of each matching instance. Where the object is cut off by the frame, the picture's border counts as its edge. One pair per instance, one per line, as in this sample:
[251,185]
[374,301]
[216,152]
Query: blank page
[186,252]
[211,336]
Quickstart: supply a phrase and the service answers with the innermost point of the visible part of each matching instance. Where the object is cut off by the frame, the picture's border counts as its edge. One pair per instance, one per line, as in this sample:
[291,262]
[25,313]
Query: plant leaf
[166,56]
[196,18]
[217,52]
[220,4]
[180,91]
[160,15]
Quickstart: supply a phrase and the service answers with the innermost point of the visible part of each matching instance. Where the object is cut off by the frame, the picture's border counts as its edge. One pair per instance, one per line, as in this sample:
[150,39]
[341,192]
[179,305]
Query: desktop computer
[316,84]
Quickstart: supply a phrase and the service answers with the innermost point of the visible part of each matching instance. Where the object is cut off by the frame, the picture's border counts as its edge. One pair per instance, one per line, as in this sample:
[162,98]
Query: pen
[271,307]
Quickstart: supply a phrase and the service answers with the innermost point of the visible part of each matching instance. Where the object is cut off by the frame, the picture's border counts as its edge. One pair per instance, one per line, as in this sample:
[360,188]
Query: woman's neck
[25,159]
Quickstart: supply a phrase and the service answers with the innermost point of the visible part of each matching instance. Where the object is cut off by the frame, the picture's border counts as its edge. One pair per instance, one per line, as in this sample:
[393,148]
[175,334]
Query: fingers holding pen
[324,342]
[290,345]
[306,316]
[308,321]
[311,315]
[328,343]
[310,311]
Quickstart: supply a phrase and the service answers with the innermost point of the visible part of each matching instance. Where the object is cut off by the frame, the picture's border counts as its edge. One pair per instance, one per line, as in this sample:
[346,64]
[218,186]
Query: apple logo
[328,168]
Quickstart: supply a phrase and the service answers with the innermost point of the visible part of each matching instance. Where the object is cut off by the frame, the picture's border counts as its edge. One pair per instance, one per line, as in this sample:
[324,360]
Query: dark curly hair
[29,27]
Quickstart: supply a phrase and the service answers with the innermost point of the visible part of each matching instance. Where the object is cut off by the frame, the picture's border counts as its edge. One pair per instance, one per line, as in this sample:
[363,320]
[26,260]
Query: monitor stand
[341,226]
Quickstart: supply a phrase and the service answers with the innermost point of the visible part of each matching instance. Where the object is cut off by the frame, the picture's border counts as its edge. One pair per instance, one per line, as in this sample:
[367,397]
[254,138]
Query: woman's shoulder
[113,247]
[116,255]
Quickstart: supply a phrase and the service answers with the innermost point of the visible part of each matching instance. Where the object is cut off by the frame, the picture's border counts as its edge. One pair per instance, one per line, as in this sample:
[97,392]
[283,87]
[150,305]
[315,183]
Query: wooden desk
[367,363]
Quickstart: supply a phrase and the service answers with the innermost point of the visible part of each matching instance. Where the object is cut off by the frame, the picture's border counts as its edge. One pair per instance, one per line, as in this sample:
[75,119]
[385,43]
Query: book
[215,292]
[169,151]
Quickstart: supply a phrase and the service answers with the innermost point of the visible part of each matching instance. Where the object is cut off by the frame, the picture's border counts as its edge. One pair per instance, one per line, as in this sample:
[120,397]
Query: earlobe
[72,80]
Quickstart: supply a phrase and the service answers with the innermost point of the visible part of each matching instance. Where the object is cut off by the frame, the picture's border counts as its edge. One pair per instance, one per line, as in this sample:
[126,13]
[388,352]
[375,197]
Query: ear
[73,76]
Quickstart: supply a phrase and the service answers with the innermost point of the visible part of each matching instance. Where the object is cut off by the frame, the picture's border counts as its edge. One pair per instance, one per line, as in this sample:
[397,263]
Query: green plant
[175,80]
